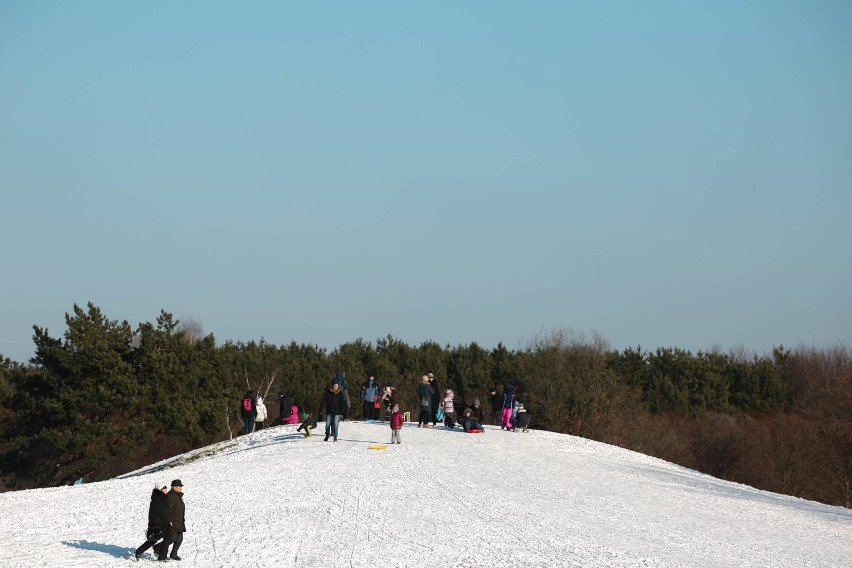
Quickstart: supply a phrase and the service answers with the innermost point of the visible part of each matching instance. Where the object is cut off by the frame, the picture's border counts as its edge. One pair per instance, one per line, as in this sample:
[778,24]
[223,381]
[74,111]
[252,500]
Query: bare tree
[191,330]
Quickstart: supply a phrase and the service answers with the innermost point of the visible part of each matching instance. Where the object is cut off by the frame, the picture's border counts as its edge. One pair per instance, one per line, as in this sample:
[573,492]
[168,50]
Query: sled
[474,431]
[377,447]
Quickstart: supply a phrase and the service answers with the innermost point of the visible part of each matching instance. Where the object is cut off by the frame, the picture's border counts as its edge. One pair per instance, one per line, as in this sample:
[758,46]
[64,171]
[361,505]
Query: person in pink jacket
[294,415]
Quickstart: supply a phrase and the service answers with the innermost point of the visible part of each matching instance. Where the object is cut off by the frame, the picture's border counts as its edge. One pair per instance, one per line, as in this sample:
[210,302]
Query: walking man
[177,523]
[334,407]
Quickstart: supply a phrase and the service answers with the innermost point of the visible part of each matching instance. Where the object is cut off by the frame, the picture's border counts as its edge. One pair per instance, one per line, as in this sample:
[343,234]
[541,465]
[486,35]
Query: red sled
[474,431]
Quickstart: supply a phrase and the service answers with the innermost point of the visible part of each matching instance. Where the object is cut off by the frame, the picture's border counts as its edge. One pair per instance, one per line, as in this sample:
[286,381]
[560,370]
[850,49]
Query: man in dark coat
[158,518]
[496,405]
[333,404]
[436,395]
[177,523]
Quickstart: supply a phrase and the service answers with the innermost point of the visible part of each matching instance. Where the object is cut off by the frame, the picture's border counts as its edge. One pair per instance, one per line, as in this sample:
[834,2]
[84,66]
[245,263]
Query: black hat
[177,483]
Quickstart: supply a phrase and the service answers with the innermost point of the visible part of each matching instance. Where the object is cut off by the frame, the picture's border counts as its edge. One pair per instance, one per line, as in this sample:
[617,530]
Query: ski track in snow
[443,499]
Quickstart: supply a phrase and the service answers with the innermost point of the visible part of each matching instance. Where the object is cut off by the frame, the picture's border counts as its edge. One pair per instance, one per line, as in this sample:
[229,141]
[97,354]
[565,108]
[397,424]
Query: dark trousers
[425,415]
[173,537]
[248,424]
[146,545]
[370,411]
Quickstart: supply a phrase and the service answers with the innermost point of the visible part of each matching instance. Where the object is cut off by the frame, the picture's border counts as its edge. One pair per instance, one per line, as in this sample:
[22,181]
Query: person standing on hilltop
[334,407]
[369,396]
[496,405]
[260,419]
[396,425]
[424,394]
[436,398]
[508,404]
[248,411]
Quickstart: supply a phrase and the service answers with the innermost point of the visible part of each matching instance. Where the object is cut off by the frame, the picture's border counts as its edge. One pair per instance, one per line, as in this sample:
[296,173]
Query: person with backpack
[158,518]
[436,398]
[248,411]
[508,404]
[424,394]
[333,405]
[369,397]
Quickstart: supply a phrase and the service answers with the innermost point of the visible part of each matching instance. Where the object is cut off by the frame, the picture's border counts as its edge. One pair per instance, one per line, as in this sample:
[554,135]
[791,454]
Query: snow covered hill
[441,499]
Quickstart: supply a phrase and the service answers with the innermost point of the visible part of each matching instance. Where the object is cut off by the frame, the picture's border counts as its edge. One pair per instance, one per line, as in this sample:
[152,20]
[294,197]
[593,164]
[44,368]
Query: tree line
[106,398]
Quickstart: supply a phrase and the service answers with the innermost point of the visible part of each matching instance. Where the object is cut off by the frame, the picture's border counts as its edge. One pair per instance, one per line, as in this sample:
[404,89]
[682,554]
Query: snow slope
[441,499]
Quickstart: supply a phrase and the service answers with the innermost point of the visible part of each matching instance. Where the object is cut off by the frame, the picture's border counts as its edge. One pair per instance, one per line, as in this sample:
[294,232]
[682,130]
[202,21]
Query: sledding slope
[441,499]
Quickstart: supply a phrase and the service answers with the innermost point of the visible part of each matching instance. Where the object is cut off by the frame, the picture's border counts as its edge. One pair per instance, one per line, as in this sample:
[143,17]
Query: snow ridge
[440,499]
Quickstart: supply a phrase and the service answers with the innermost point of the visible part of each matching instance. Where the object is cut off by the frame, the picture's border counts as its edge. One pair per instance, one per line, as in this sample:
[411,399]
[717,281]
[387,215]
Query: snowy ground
[441,499]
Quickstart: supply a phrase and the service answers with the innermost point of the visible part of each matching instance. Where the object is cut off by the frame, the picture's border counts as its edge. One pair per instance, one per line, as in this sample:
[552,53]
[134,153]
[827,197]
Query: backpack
[247,402]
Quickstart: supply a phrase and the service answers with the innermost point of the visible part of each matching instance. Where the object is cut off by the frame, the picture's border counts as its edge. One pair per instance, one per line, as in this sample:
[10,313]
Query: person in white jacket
[261,414]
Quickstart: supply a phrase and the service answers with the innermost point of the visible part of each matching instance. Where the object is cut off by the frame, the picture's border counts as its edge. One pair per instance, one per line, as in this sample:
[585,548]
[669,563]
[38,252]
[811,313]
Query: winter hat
[431,376]
[475,401]
[395,408]
[161,486]
[449,391]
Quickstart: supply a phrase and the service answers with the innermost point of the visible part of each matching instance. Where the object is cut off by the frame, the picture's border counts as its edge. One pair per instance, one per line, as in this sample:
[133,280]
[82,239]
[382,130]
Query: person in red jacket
[396,425]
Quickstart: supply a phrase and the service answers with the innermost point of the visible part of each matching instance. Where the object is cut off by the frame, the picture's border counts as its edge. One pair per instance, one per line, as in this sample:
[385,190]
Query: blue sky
[663,173]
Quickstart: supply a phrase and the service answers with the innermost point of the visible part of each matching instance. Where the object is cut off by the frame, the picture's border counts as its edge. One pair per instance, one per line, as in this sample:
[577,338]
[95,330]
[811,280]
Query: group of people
[166,522]
[254,413]
[434,406]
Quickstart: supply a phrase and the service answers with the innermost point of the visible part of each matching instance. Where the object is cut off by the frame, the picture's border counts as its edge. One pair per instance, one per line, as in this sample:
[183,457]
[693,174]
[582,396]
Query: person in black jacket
[158,518]
[496,405]
[177,523]
[334,406]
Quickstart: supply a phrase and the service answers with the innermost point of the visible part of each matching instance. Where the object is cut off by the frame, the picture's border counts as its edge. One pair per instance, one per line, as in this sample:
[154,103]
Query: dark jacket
[478,414]
[508,397]
[285,407]
[496,402]
[177,510]
[470,423]
[253,405]
[158,512]
[333,403]
[424,394]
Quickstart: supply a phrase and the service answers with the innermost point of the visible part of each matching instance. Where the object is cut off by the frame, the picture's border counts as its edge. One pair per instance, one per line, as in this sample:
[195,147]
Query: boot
[326,437]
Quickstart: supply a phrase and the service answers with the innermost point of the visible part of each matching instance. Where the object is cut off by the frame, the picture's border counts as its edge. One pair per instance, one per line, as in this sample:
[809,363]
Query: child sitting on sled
[470,424]
[522,420]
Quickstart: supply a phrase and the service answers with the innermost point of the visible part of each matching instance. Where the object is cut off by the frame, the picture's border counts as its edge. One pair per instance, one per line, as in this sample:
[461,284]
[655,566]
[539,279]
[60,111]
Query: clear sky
[663,173]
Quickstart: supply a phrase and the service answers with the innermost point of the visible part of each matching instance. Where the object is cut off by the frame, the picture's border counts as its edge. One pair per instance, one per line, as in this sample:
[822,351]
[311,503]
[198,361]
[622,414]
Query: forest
[107,398]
